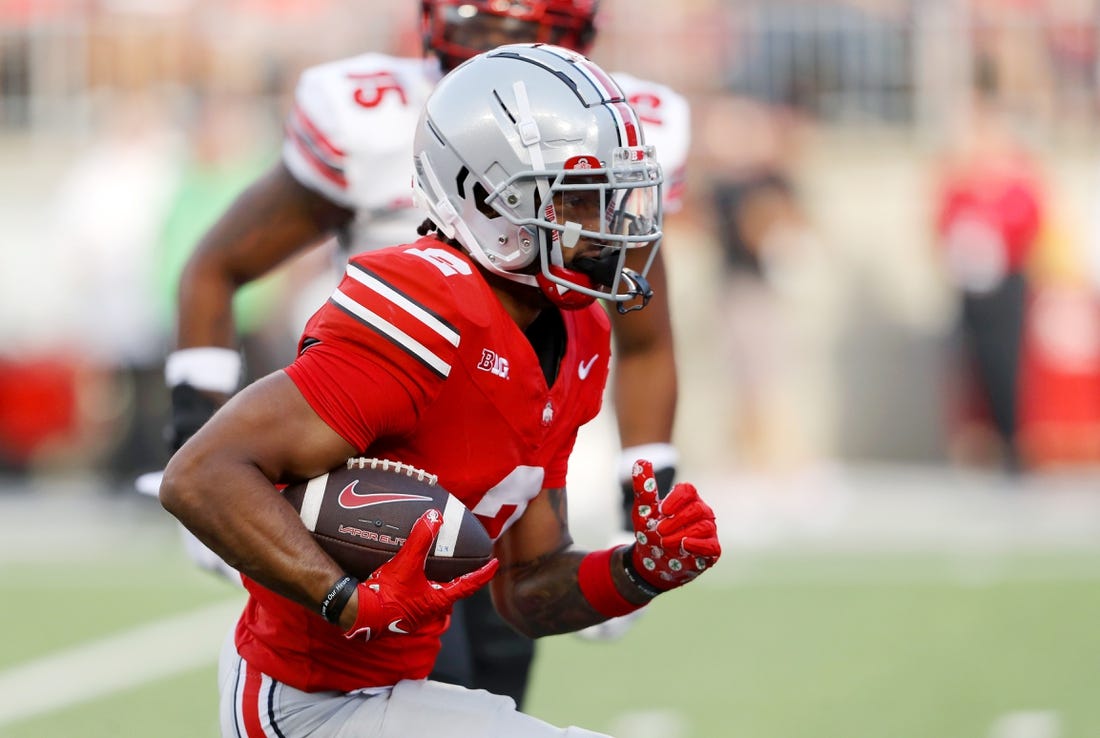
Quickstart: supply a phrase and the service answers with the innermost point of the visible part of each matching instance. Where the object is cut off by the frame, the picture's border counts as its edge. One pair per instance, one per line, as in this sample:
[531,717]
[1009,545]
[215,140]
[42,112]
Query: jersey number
[371,88]
[504,504]
[445,261]
[648,107]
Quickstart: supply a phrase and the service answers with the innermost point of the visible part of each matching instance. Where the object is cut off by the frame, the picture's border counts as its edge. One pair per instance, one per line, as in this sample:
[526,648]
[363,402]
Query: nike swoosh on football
[586,366]
[352,500]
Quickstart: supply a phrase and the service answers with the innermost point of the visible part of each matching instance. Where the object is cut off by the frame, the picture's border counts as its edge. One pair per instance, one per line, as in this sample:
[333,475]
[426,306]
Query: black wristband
[635,578]
[337,598]
[191,408]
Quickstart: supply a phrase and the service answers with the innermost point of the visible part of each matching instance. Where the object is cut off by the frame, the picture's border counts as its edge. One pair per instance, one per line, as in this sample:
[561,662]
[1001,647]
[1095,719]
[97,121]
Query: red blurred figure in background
[990,211]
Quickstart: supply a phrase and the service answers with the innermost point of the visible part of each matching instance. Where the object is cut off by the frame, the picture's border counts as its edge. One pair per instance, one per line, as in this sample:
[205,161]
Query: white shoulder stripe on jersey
[447,332]
[395,334]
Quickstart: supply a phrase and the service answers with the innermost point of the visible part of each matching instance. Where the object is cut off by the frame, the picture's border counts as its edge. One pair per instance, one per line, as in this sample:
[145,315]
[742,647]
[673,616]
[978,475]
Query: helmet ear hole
[480,197]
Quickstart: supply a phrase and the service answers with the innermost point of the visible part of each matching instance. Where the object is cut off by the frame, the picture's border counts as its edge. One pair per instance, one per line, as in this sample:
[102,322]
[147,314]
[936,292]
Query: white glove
[611,630]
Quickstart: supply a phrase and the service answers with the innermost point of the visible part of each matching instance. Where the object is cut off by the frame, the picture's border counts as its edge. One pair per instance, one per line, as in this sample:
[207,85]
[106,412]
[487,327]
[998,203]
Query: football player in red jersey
[537,183]
[345,171]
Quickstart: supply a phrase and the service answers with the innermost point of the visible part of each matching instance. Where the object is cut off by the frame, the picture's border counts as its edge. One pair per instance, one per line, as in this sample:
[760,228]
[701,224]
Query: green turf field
[784,645]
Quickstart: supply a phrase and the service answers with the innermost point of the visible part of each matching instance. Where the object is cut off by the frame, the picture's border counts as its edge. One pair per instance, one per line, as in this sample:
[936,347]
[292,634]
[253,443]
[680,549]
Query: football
[361,514]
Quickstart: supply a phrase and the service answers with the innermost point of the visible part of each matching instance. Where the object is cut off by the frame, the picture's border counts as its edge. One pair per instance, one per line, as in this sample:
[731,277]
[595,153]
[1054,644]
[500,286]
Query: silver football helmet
[530,157]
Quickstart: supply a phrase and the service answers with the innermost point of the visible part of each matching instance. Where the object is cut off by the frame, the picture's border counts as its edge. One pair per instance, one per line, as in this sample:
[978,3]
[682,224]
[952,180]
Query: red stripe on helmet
[610,89]
[631,127]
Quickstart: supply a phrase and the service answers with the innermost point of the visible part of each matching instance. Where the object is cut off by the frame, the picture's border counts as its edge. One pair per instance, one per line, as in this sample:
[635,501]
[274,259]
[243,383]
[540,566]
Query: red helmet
[456,30]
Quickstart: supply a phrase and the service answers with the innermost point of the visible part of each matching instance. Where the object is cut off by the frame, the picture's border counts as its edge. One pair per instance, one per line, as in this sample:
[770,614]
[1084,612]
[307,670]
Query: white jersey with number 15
[349,137]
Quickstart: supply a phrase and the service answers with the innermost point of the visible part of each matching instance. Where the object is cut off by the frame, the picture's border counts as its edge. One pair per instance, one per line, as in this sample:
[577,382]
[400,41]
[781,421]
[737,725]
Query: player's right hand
[191,408]
[398,598]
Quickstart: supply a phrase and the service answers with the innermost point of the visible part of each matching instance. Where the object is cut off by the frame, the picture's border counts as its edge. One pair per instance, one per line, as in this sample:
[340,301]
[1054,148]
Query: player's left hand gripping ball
[676,537]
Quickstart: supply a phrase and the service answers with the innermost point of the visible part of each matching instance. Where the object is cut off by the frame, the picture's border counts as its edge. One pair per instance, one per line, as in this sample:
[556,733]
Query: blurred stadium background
[893,568]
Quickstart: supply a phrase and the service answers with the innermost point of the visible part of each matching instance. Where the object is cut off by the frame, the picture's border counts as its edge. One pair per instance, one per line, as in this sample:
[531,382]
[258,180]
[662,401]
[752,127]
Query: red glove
[399,598]
[676,538]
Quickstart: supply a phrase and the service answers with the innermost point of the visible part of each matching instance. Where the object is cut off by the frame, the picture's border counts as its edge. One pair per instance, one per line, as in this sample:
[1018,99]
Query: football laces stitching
[397,467]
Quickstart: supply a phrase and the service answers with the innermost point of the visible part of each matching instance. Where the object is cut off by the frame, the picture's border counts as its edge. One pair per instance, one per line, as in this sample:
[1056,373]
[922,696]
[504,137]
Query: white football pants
[253,705]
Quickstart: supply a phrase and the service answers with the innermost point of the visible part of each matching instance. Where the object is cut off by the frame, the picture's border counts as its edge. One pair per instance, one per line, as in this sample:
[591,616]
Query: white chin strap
[530,137]
[439,204]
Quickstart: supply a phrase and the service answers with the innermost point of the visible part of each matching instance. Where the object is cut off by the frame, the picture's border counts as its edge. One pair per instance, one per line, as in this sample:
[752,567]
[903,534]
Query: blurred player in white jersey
[346,171]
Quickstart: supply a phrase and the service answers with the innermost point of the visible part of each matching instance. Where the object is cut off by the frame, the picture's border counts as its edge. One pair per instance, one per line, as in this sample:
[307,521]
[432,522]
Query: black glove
[664,476]
[191,408]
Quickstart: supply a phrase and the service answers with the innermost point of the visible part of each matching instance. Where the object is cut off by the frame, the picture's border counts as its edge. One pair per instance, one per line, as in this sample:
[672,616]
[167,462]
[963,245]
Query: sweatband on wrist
[598,588]
[661,455]
[337,598]
[210,368]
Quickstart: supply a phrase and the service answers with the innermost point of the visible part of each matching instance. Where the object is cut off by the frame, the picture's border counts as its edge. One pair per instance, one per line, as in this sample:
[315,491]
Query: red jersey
[1002,199]
[414,359]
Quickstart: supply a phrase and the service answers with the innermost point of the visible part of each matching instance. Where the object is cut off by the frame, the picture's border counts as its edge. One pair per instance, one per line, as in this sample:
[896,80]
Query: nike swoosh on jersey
[395,628]
[351,499]
[586,366]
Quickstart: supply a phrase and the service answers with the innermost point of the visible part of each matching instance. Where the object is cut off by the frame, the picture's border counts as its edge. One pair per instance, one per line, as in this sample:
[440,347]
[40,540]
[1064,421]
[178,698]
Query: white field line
[115,663]
[650,724]
[1028,724]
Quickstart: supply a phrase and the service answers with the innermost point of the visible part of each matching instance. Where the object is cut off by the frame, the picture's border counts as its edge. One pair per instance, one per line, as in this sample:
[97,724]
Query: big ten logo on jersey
[371,88]
[494,364]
